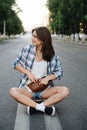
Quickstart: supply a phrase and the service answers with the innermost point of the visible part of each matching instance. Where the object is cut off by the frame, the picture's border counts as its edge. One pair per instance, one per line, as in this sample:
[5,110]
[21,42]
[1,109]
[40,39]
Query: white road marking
[22,121]
[52,123]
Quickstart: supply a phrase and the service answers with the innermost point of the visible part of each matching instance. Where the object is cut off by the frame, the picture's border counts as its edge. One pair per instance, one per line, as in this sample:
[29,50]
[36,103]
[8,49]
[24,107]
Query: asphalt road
[8,78]
[73,110]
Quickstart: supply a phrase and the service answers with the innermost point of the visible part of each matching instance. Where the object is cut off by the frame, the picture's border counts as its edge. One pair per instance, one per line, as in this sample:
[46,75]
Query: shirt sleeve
[22,57]
[57,67]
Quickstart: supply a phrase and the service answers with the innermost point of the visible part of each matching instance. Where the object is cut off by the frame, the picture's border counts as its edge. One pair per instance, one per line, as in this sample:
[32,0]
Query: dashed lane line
[22,121]
[52,123]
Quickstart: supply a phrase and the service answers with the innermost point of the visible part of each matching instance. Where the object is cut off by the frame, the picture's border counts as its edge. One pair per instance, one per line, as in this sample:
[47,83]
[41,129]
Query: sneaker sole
[28,109]
[53,113]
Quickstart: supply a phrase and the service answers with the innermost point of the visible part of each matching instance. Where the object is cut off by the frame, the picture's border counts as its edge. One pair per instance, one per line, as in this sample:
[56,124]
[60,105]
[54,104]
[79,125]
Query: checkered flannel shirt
[26,58]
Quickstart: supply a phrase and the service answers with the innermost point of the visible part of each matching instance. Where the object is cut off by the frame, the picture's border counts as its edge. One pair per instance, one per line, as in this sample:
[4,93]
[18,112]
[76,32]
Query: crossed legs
[52,95]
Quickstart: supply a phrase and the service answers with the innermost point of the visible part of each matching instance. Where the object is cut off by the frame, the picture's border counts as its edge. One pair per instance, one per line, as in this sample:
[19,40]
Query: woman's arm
[22,69]
[27,72]
[51,77]
[46,79]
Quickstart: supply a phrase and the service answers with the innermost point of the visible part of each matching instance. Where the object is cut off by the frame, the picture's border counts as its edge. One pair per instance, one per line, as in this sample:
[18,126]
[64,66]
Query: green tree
[7,14]
[9,2]
[66,15]
[14,24]
[53,8]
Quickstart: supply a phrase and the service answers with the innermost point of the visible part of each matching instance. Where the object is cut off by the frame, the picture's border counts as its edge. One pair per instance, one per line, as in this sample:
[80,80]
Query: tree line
[9,16]
[68,16]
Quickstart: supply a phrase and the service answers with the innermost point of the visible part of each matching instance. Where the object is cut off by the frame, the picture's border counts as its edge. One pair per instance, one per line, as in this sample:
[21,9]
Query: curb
[71,42]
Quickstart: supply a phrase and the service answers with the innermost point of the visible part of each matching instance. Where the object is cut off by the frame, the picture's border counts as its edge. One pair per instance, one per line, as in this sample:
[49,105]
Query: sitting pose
[35,61]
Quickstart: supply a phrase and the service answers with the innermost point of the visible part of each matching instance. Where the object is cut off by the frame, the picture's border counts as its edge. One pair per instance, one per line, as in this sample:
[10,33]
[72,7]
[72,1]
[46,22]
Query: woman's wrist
[27,72]
[48,79]
[51,77]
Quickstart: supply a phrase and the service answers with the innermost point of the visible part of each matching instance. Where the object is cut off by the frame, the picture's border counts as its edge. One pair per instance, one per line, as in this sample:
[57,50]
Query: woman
[35,61]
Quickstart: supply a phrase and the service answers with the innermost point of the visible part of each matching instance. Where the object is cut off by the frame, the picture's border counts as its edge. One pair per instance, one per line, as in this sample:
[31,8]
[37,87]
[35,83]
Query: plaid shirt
[26,59]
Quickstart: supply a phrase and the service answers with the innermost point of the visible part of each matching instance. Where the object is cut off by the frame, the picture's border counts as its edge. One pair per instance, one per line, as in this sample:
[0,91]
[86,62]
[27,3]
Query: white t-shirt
[39,69]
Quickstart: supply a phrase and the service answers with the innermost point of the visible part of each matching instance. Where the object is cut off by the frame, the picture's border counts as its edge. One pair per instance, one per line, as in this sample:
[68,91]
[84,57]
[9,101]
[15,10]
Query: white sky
[33,12]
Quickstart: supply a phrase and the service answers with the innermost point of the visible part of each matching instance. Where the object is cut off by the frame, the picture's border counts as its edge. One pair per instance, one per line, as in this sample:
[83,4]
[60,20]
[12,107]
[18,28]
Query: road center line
[22,119]
[52,123]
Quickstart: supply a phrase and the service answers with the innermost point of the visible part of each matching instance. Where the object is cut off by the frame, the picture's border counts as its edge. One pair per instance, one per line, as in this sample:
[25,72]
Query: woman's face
[35,39]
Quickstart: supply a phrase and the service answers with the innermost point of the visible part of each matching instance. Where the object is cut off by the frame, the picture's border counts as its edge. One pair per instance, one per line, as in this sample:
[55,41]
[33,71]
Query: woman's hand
[44,80]
[32,77]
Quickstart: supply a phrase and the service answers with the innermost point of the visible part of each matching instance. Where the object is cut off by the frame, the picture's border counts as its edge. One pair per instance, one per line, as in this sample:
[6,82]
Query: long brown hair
[44,35]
